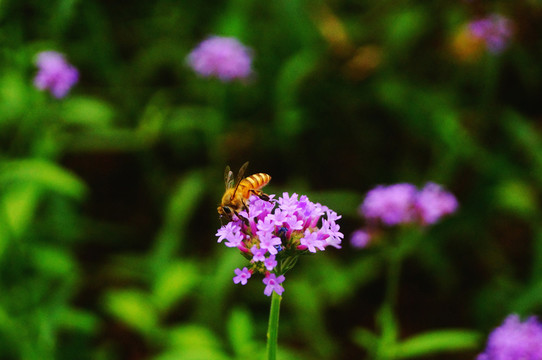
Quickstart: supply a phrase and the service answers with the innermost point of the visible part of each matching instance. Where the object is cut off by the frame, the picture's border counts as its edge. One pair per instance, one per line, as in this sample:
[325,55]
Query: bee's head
[225,211]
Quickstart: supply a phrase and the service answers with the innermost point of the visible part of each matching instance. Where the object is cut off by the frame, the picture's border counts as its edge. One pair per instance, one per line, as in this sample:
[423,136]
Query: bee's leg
[260,194]
[244,219]
[241,217]
[245,207]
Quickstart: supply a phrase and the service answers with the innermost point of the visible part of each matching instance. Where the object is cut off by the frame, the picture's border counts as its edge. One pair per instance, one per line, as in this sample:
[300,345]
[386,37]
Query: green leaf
[241,332]
[174,283]
[45,174]
[388,325]
[87,112]
[19,204]
[366,339]
[133,308]
[192,354]
[179,211]
[14,95]
[192,342]
[290,119]
[53,261]
[405,27]
[192,336]
[517,196]
[438,341]
[78,320]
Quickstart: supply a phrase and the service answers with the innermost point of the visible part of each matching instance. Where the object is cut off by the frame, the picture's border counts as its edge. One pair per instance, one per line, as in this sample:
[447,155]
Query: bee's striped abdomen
[256,181]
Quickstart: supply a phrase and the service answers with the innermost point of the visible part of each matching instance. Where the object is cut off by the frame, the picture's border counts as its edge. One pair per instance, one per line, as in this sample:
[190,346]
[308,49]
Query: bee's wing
[228,178]
[239,177]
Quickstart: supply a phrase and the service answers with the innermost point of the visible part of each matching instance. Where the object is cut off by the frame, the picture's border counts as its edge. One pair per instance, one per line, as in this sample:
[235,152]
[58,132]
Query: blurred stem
[273,327]
[394,274]
[386,316]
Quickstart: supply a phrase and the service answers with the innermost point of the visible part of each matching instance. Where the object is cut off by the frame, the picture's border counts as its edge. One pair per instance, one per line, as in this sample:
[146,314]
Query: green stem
[273,328]
[394,273]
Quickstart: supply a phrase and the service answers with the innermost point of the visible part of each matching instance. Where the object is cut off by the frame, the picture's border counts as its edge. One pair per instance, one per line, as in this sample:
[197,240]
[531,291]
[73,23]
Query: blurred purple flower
[55,74]
[360,239]
[403,203]
[433,202]
[514,340]
[495,30]
[286,228]
[391,204]
[272,283]
[223,57]
[242,276]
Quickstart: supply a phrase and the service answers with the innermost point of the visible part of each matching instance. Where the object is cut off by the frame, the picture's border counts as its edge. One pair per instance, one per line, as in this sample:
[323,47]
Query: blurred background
[108,196]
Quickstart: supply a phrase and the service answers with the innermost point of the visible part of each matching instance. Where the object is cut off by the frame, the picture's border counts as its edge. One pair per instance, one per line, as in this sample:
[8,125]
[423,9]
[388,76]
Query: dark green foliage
[108,197]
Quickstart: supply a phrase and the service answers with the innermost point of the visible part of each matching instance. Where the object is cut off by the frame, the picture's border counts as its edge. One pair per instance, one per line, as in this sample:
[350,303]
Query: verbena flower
[272,283]
[402,204]
[242,276]
[55,74]
[222,57]
[360,239]
[390,204]
[433,202]
[282,230]
[515,340]
[495,30]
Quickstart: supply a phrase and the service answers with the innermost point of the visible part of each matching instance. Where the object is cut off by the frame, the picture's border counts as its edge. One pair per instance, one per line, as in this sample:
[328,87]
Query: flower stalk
[273,327]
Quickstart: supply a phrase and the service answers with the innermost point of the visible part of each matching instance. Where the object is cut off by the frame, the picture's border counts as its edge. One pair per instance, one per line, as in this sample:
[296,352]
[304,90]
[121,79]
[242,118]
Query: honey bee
[235,197]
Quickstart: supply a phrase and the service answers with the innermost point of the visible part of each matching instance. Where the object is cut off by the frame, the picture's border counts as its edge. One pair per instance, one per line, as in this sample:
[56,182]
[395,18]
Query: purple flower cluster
[495,30]
[273,234]
[55,74]
[222,57]
[514,340]
[403,204]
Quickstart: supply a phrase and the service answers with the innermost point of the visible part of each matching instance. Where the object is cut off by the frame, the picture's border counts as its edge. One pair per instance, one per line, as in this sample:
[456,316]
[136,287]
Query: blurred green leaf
[194,337]
[19,204]
[525,137]
[516,196]
[14,95]
[78,320]
[178,213]
[174,282]
[216,285]
[241,333]
[389,328]
[290,119]
[528,300]
[192,342]
[64,12]
[438,341]
[366,339]
[47,175]
[405,27]
[193,354]
[308,310]
[234,20]
[87,112]
[53,261]
[134,308]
